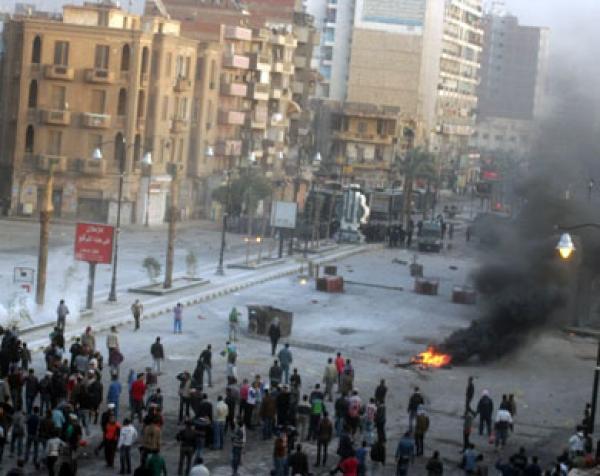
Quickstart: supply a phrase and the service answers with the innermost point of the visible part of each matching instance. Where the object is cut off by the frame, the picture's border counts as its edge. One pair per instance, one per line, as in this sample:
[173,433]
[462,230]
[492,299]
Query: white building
[333,18]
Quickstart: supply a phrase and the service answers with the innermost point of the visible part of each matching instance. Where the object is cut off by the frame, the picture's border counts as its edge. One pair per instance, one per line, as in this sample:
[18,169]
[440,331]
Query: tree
[418,163]
[245,192]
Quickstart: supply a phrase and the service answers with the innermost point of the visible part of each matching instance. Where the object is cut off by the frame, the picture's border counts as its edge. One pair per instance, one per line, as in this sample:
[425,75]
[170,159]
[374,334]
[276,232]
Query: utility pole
[172,223]
[45,215]
[220,269]
[112,297]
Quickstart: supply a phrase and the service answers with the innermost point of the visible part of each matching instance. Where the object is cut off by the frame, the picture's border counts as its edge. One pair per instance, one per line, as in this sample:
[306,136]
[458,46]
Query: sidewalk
[106,314]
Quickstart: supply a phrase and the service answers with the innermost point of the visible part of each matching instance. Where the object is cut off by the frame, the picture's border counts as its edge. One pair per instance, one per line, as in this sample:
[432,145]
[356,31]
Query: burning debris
[430,358]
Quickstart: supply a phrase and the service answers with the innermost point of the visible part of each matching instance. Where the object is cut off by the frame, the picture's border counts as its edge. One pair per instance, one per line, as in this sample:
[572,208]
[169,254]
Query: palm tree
[418,163]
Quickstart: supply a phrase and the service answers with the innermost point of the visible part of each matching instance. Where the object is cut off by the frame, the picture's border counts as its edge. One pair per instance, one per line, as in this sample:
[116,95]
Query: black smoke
[522,283]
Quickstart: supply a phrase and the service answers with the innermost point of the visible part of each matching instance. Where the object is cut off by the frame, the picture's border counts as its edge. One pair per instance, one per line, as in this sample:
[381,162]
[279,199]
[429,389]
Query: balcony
[229,148]
[257,121]
[260,62]
[56,71]
[238,33]
[45,161]
[182,85]
[302,33]
[350,136]
[302,62]
[259,91]
[178,125]
[233,118]
[92,167]
[95,121]
[234,89]
[276,92]
[236,61]
[55,117]
[261,34]
[283,40]
[279,66]
[99,76]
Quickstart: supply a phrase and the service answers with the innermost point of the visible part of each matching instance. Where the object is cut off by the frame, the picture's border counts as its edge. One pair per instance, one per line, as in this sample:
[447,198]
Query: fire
[432,358]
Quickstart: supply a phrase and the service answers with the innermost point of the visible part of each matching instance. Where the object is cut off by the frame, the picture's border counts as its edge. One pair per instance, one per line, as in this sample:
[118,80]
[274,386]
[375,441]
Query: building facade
[83,103]
[513,85]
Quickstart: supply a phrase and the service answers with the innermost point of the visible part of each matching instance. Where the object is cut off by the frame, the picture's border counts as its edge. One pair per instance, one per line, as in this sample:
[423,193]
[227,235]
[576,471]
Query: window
[362,127]
[168,61]
[33,93]
[325,71]
[101,57]
[162,150]
[199,66]
[61,53]
[209,113]
[94,142]
[155,64]
[180,151]
[29,139]
[329,35]
[183,108]
[137,149]
[141,103]
[98,101]
[36,50]
[195,110]
[164,114]
[122,104]
[213,74]
[125,57]
[179,67]
[145,60]
[331,15]
[151,106]
[54,145]
[119,147]
[59,97]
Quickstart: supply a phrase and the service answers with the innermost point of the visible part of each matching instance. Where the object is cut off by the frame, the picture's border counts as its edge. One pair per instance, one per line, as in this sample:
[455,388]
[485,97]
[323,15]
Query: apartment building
[365,139]
[82,94]
[513,85]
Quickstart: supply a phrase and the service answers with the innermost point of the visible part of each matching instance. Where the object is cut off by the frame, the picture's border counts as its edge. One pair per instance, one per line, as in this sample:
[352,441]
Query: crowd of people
[50,420]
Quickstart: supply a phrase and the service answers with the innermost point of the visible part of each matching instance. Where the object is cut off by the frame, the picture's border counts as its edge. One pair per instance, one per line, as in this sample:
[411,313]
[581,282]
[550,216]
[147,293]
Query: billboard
[408,13]
[94,243]
[283,214]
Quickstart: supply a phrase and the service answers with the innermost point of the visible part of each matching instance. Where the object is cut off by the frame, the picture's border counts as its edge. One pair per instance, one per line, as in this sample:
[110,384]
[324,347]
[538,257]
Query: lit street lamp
[566,247]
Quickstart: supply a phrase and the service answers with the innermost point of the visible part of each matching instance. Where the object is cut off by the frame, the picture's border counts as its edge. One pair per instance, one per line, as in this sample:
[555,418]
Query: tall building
[95,77]
[513,84]
[421,56]
[334,19]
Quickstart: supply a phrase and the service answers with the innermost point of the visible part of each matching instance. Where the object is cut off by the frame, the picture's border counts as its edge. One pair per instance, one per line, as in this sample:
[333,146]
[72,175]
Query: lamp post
[97,155]
[220,270]
[173,212]
[566,248]
[147,162]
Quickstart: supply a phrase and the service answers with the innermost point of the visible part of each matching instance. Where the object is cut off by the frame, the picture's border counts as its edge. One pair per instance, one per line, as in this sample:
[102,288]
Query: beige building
[94,78]
[365,139]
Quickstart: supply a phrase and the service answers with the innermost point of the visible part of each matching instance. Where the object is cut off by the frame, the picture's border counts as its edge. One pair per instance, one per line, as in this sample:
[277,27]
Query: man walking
[329,378]
[421,427]
[324,434]
[177,318]
[415,400]
[274,335]
[221,413]
[470,392]
[205,360]
[127,438]
[137,308]
[187,444]
[238,441]
[285,359]
[485,409]
[158,354]
[234,323]
[61,315]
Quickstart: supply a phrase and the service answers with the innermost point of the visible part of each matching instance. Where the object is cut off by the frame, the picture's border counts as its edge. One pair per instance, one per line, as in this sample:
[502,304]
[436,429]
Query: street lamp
[565,247]
[147,162]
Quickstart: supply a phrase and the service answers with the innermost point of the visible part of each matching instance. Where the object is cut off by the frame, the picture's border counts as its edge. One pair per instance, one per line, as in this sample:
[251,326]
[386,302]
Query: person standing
[238,441]
[55,444]
[298,462]
[324,435]
[88,340]
[187,444]
[156,464]
[285,359]
[316,409]
[127,437]
[280,455]
[303,418]
[485,409]
[467,428]
[275,373]
[340,362]
[234,324]
[112,340]
[421,427]
[502,425]
[137,308]
[138,390]
[205,360]
[377,456]
[61,315]
[33,427]
[114,395]
[435,467]
[381,392]
[221,412]
[405,454]
[177,318]
[329,378]
[267,414]
[158,354]
[274,335]
[415,400]
[111,439]
[185,388]
[470,392]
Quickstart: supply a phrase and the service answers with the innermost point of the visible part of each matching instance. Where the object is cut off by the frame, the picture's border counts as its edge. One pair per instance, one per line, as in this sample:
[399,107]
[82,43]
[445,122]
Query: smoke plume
[522,283]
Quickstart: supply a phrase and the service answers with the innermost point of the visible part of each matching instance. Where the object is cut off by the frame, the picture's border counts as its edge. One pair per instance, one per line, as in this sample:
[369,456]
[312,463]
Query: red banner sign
[94,243]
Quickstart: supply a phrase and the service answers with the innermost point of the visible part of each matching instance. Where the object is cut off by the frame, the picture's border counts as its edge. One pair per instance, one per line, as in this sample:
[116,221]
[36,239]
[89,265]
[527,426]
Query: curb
[41,344]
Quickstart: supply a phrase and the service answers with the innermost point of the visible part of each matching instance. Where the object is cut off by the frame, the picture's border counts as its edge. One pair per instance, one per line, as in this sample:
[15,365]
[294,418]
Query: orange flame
[432,358]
